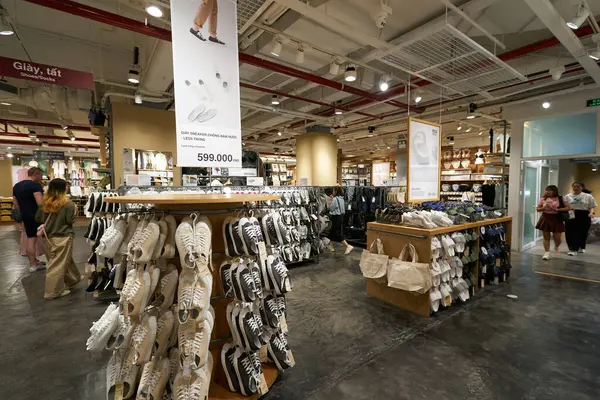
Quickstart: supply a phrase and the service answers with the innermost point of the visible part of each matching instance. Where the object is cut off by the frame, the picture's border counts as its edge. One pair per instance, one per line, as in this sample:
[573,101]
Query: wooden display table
[220,207]
[395,237]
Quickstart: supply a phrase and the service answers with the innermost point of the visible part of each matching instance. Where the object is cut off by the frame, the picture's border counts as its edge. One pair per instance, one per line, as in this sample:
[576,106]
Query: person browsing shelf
[550,205]
[336,214]
[584,206]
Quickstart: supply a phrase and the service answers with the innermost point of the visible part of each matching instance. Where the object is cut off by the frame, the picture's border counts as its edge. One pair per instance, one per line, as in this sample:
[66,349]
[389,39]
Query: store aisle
[591,255]
[346,345]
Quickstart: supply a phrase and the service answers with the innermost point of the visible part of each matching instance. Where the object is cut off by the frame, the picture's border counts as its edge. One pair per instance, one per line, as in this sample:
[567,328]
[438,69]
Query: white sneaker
[348,250]
[35,268]
[184,238]
[331,249]
[203,239]
[103,329]
[546,256]
[581,251]
[572,253]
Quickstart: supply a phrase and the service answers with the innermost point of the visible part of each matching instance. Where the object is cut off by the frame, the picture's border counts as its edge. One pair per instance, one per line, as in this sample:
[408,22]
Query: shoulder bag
[406,273]
[374,265]
[564,215]
[41,230]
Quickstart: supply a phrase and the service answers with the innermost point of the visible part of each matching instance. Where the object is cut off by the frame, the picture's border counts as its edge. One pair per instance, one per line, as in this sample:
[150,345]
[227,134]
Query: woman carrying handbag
[58,215]
[553,208]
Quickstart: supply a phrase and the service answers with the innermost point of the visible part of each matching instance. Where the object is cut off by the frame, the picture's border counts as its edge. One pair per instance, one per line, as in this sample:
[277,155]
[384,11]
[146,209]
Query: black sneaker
[296,197]
[287,253]
[93,282]
[266,276]
[246,374]
[249,237]
[287,217]
[251,328]
[235,233]
[282,231]
[93,229]
[269,311]
[278,351]
[226,281]
[91,203]
[255,271]
[280,277]
[258,229]
[89,229]
[230,249]
[228,362]
[215,40]
[246,290]
[282,305]
[269,230]
[198,34]
[295,235]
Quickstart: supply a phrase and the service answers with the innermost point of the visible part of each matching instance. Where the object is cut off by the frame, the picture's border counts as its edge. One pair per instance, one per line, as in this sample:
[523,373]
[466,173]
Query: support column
[317,157]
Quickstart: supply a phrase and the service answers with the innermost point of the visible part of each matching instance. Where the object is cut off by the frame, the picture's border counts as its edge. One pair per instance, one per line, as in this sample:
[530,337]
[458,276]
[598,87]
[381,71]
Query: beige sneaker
[167,287]
[174,334]
[154,379]
[143,339]
[123,332]
[203,240]
[165,326]
[194,293]
[135,239]
[163,229]
[121,369]
[194,340]
[154,272]
[139,293]
[195,386]
[132,223]
[170,246]
[143,251]
[174,363]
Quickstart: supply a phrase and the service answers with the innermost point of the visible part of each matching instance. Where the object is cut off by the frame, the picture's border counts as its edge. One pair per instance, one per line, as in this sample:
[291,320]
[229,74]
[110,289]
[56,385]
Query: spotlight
[275,100]
[133,77]
[4,103]
[9,155]
[6,28]
[472,114]
[350,75]
[595,55]
[469,129]
[582,14]
[418,98]
[450,139]
[154,11]
[338,111]
[480,133]
[278,133]
[557,72]
[384,83]
[300,54]
[459,127]
[546,104]
[65,126]
[277,46]
[8,148]
[134,71]
[334,67]
[138,97]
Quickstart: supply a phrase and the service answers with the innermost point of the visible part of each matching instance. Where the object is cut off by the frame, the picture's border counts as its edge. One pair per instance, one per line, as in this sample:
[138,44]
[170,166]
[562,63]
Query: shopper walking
[58,215]
[550,223]
[208,10]
[27,196]
[336,214]
[584,206]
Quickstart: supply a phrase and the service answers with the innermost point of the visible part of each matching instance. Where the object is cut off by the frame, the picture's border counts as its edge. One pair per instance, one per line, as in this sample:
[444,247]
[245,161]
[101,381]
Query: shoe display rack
[244,294]
[480,249]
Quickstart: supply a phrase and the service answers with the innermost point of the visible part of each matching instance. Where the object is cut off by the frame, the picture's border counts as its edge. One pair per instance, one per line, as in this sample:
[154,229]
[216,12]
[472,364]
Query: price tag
[498,262]
[314,217]
[283,325]
[264,357]
[484,270]
[263,388]
[349,207]
[482,230]
[448,301]
[119,391]
[262,251]
[291,358]
[373,199]
[363,199]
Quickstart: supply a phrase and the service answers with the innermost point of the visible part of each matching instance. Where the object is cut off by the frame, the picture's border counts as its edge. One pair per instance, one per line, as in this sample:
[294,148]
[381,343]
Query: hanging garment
[488,194]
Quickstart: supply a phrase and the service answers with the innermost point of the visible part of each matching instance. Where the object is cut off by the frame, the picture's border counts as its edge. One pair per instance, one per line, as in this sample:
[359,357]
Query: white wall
[518,114]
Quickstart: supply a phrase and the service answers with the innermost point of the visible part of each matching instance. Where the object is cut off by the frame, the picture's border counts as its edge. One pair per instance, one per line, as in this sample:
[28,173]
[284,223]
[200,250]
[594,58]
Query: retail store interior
[286,199]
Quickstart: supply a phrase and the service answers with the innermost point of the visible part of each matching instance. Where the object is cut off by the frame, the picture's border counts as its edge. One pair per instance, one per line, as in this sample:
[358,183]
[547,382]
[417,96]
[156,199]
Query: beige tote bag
[406,273]
[374,265]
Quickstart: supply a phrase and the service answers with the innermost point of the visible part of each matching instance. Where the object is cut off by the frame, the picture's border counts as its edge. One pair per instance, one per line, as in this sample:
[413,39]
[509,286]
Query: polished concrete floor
[543,345]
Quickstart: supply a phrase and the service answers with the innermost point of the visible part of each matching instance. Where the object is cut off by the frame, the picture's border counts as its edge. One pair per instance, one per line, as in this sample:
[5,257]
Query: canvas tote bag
[374,265]
[406,273]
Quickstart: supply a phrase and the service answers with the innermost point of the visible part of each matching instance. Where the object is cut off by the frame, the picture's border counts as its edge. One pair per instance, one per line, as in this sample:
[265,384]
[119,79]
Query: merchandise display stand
[216,207]
[395,237]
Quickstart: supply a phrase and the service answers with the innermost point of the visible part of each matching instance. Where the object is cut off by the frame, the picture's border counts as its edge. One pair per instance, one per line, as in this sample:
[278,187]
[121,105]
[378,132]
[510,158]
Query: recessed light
[279,133]
[546,104]
[4,103]
[154,11]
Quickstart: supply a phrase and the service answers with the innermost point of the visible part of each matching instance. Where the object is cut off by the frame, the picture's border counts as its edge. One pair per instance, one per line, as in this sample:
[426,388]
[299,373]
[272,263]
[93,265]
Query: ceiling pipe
[44,124]
[48,137]
[291,96]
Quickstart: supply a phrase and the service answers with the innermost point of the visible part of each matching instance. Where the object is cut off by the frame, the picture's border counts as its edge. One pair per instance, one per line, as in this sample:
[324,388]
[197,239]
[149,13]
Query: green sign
[593,103]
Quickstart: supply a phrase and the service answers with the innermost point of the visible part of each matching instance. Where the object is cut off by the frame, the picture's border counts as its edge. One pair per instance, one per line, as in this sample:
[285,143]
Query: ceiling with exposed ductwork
[447,53]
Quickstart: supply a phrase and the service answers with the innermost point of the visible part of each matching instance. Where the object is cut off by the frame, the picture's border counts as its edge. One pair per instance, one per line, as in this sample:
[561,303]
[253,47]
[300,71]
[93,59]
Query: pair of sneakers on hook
[193,238]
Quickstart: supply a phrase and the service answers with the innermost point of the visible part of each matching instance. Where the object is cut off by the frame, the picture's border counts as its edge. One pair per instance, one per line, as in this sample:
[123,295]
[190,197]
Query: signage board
[43,155]
[42,73]
[206,78]
[593,103]
[424,162]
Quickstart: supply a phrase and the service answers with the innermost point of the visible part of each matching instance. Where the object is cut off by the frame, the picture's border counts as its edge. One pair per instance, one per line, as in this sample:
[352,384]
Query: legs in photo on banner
[62,273]
[208,10]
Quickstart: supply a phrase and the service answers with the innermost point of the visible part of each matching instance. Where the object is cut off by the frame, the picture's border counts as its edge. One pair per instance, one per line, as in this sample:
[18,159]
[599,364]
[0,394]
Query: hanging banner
[46,73]
[424,164]
[207,92]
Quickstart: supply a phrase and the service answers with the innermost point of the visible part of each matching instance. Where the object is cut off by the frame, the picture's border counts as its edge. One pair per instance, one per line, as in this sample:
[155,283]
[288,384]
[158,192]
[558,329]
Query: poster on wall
[206,74]
[424,165]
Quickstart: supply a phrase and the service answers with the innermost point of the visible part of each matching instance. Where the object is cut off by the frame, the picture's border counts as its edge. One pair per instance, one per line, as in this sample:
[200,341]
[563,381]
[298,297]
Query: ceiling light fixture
[154,11]
[275,100]
[480,133]
[450,139]
[4,103]
[334,67]
[9,155]
[557,72]
[472,113]
[384,83]
[546,104]
[459,127]
[6,28]
[595,55]
[134,71]
[278,133]
[582,14]
[300,54]
[350,75]
[138,97]
[338,111]
[469,129]
[277,46]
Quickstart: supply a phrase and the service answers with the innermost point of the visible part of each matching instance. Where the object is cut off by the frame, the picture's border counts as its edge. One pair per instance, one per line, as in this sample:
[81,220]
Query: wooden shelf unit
[395,237]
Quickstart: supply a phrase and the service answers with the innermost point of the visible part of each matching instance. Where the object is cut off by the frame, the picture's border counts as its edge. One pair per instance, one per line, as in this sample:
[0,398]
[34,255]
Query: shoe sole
[225,229]
[224,362]
[237,373]
[274,357]
[265,226]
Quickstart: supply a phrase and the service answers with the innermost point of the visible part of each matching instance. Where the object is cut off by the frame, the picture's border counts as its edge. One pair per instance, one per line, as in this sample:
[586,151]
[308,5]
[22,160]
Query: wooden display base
[395,237]
[221,333]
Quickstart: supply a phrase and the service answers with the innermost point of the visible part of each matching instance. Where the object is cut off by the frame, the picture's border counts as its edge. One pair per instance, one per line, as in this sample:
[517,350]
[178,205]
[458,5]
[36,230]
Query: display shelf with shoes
[444,257]
[194,331]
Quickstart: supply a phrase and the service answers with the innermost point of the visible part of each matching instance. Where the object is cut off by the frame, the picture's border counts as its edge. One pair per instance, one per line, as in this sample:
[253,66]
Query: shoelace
[249,279]
[253,325]
[134,289]
[255,358]
[273,306]
[228,279]
[279,344]
[192,342]
[257,281]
